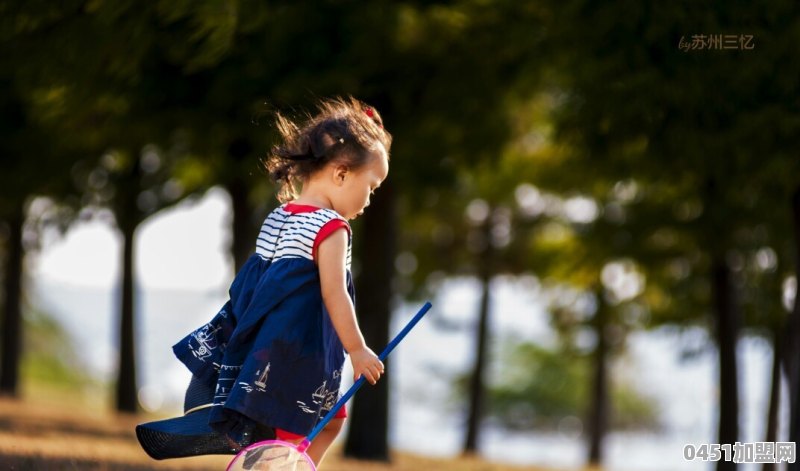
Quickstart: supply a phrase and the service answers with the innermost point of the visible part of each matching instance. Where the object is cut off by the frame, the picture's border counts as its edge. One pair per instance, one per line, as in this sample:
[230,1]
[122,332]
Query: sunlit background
[184,271]
[601,200]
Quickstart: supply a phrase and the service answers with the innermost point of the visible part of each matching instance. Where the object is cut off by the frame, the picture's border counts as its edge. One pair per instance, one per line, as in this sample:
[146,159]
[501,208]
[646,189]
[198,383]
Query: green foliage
[538,387]
[689,130]
[49,359]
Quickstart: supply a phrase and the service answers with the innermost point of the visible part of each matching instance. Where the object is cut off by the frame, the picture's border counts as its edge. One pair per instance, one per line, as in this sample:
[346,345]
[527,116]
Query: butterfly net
[272,456]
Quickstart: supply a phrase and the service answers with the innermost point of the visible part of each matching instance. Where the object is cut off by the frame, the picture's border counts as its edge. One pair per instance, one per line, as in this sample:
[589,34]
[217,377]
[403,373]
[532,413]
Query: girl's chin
[352,216]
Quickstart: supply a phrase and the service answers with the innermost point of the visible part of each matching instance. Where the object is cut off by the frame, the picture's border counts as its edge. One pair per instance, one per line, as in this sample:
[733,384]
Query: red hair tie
[371,113]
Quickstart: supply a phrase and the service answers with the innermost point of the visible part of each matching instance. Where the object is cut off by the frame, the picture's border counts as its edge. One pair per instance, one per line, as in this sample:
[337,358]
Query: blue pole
[361,380]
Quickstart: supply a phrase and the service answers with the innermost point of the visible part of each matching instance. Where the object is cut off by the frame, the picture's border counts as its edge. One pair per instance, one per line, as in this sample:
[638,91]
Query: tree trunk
[127,400]
[727,323]
[477,383]
[243,233]
[775,394]
[128,217]
[369,417]
[791,343]
[12,306]
[599,407]
[242,236]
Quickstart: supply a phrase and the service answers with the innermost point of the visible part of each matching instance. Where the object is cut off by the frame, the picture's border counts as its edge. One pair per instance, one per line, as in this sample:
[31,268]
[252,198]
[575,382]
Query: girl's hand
[366,363]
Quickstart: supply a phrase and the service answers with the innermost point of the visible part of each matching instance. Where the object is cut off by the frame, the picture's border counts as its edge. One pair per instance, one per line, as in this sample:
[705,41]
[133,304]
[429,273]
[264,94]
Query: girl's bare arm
[331,256]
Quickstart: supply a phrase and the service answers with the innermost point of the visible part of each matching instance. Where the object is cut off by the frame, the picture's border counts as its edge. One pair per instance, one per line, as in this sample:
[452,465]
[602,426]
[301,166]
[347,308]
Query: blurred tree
[706,140]
[548,389]
[593,255]
[475,229]
[444,130]
[570,245]
[139,181]
[124,99]
[36,158]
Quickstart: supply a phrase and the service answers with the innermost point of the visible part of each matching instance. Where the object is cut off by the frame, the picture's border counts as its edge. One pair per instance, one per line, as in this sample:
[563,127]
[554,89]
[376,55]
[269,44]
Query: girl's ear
[339,174]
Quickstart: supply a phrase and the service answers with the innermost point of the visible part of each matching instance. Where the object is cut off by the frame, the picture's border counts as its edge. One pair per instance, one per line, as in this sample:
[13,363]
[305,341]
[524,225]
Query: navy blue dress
[271,352]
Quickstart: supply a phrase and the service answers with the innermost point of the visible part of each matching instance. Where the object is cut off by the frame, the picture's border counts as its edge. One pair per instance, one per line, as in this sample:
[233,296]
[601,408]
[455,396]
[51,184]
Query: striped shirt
[295,231]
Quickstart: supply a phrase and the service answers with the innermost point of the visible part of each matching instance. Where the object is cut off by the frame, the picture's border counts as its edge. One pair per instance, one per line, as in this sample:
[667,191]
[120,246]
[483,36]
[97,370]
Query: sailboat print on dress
[206,340]
[332,395]
[323,398]
[318,398]
[261,382]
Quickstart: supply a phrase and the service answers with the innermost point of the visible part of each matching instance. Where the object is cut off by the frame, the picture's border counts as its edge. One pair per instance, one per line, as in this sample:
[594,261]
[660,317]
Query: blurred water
[426,418]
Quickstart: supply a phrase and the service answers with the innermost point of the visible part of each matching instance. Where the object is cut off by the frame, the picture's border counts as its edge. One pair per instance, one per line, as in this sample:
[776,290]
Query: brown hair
[344,130]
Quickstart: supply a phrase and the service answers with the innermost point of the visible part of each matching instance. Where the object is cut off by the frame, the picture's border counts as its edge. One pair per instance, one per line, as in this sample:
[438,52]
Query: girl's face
[358,185]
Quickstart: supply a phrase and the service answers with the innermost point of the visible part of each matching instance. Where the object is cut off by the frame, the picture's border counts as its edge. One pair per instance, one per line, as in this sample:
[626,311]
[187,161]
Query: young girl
[269,363]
